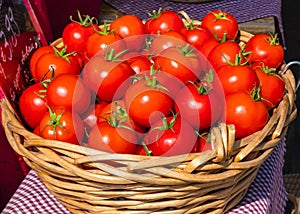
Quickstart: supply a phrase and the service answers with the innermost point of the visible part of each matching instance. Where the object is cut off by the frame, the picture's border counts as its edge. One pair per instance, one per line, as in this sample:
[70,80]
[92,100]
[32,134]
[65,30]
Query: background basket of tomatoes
[210,164]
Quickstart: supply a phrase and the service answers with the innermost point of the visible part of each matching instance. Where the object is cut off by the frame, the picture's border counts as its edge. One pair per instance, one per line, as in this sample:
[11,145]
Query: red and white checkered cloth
[266,194]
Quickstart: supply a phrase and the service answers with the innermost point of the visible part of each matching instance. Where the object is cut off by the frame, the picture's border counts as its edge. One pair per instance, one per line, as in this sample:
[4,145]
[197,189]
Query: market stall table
[266,194]
[243,10]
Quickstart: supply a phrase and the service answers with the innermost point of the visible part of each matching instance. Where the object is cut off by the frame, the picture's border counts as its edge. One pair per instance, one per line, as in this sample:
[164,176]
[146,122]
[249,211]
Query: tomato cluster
[152,87]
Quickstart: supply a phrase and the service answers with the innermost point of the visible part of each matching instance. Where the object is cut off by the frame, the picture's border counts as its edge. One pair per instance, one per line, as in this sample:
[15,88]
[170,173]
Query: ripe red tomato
[113,138]
[223,54]
[140,64]
[272,85]
[165,40]
[140,150]
[32,104]
[163,21]
[204,143]
[170,136]
[107,77]
[91,116]
[35,57]
[131,29]
[181,62]
[116,109]
[196,35]
[170,82]
[62,124]
[200,106]
[221,24]
[52,64]
[101,40]
[146,100]
[76,33]
[208,45]
[247,114]
[236,78]
[36,131]
[265,48]
[82,58]
[69,90]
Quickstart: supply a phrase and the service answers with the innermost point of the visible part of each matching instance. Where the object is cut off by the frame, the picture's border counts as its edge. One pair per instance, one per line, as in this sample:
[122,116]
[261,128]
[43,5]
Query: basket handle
[287,66]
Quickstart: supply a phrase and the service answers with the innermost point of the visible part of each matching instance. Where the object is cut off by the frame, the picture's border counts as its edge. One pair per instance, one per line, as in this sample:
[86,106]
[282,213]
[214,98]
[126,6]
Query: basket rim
[224,130]
[75,174]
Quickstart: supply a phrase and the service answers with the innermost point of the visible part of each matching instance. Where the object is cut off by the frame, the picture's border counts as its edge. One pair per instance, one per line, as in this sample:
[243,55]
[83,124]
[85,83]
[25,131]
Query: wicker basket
[87,181]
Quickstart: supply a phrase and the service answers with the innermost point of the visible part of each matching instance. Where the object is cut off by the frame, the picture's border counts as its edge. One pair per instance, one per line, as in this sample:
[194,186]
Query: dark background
[291,18]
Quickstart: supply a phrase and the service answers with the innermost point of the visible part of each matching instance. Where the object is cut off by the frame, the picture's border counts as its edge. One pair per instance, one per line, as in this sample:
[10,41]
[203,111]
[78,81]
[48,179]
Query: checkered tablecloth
[265,195]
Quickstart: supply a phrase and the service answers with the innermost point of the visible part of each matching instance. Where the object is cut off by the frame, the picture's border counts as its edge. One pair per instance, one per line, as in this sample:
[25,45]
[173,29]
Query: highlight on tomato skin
[92,115]
[170,136]
[54,63]
[155,86]
[221,24]
[132,29]
[70,91]
[60,123]
[266,49]
[113,137]
[246,113]
[76,33]
[272,86]
[33,104]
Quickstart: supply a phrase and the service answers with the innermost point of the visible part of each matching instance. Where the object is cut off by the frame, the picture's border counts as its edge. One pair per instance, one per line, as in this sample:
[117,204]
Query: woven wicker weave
[86,180]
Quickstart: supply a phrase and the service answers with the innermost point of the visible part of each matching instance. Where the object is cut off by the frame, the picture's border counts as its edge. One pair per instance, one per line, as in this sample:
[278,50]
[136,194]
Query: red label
[18,40]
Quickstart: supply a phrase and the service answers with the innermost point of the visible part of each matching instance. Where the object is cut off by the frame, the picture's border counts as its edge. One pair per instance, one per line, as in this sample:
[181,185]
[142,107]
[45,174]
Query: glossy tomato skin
[92,115]
[247,115]
[223,53]
[132,29]
[220,23]
[117,109]
[69,90]
[165,40]
[170,82]
[34,58]
[236,78]
[145,104]
[75,35]
[272,85]
[180,139]
[98,43]
[200,109]
[184,67]
[50,65]
[204,143]
[33,104]
[207,46]
[108,79]
[165,21]
[197,36]
[105,137]
[266,49]
[82,58]
[140,64]
[67,126]
[140,150]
